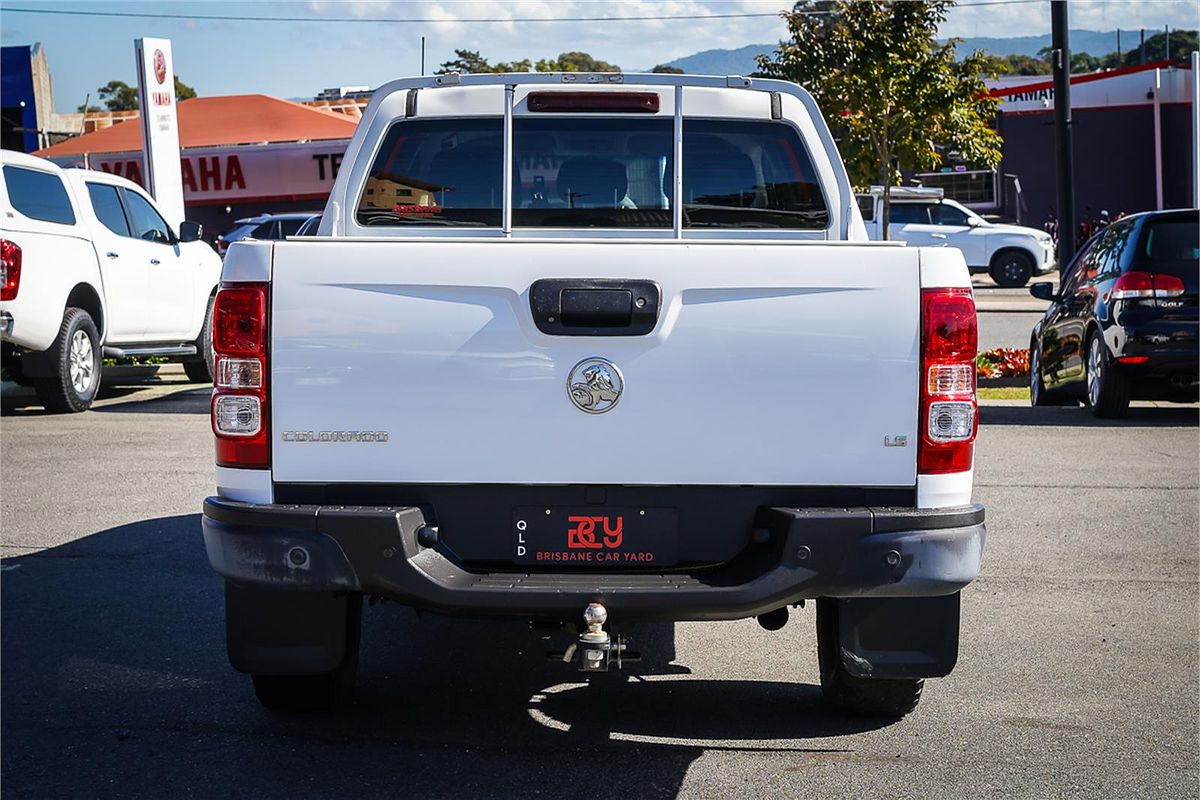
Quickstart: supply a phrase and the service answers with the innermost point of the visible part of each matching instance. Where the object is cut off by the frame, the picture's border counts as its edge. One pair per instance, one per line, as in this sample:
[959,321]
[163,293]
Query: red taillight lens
[1144,285]
[239,405]
[240,319]
[10,269]
[949,412]
[595,102]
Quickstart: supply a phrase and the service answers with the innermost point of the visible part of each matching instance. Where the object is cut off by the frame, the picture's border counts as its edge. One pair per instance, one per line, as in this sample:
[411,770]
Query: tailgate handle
[594,307]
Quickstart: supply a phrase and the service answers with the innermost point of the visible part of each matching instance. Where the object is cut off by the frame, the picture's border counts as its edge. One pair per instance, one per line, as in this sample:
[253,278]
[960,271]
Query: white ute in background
[592,349]
[1010,254]
[89,269]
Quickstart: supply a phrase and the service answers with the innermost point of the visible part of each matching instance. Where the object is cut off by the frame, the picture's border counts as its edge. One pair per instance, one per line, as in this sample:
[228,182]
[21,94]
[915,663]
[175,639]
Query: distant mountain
[723,62]
[1096,43]
[741,61]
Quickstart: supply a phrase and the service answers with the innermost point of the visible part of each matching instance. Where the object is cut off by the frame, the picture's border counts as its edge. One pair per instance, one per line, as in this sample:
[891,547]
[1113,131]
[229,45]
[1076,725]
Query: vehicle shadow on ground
[116,684]
[1138,417]
[188,399]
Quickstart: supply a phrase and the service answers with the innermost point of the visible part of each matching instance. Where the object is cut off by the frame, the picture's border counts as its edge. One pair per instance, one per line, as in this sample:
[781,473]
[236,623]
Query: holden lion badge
[595,385]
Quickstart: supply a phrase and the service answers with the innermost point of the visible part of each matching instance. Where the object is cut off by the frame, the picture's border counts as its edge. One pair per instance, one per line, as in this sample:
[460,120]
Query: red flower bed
[1003,362]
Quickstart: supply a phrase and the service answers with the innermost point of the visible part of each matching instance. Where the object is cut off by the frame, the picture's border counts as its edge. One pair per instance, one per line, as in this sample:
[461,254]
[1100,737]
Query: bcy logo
[583,534]
[160,66]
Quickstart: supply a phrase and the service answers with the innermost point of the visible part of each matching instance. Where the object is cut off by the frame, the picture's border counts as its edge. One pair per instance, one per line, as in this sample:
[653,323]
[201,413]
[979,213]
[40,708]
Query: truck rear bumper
[856,552]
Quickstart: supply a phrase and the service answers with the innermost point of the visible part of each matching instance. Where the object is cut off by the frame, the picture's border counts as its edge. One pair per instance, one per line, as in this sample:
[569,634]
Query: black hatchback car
[1124,323]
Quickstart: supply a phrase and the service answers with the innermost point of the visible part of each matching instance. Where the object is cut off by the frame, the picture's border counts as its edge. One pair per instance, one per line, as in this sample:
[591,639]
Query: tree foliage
[896,99]
[668,69]
[120,96]
[1182,44]
[471,61]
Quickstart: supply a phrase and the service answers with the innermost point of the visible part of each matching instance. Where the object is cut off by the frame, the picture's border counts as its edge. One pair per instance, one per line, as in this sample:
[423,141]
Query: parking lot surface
[1077,675]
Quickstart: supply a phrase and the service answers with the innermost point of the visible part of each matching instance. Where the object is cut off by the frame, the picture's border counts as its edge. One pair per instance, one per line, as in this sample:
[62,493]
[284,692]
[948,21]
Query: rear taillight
[239,404]
[949,338]
[10,269]
[1146,285]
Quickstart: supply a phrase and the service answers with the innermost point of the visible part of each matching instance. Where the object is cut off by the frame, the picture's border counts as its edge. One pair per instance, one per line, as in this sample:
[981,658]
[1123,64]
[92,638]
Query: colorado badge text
[335,436]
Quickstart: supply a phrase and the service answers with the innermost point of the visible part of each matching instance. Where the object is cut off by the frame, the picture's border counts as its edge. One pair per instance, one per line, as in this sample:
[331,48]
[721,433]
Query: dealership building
[1133,147]
[240,156]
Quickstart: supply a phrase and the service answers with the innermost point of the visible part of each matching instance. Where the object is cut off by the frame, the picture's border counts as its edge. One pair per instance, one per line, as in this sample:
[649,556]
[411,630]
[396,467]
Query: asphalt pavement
[1077,677]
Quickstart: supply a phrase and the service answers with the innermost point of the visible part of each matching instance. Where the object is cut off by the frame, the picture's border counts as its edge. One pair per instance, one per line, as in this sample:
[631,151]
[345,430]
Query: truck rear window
[442,172]
[590,172]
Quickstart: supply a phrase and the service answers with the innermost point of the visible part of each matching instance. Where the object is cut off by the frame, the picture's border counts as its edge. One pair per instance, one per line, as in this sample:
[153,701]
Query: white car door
[910,222]
[954,223]
[166,296]
[124,266]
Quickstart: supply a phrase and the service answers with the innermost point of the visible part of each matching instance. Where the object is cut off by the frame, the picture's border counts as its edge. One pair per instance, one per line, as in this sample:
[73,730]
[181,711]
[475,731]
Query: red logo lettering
[583,534]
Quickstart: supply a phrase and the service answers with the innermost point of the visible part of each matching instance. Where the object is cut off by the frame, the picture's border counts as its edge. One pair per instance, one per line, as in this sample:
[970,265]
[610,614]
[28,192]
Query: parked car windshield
[1171,245]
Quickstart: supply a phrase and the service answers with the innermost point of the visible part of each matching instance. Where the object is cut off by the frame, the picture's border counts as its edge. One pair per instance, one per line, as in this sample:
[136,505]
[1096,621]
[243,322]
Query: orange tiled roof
[220,121]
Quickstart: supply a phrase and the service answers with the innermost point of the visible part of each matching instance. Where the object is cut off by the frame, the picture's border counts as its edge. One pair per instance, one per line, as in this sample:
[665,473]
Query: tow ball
[597,650]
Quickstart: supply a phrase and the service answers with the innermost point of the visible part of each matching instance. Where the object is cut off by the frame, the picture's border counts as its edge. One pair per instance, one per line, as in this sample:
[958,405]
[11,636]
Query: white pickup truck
[90,269]
[1010,254]
[596,349]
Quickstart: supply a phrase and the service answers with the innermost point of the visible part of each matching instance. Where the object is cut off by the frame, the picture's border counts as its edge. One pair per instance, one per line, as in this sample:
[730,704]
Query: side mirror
[190,231]
[1043,290]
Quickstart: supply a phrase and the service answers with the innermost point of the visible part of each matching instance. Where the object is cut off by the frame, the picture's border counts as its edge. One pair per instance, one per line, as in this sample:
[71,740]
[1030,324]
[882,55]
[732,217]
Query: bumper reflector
[238,415]
[952,421]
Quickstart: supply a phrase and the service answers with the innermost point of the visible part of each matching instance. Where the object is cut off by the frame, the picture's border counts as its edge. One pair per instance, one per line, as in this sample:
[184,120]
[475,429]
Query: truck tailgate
[770,364]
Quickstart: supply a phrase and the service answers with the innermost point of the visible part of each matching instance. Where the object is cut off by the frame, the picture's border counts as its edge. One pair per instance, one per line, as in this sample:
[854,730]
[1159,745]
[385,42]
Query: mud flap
[900,637]
[279,632]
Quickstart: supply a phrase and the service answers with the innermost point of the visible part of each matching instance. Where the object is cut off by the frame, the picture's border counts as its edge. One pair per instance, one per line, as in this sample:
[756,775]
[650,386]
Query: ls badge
[595,385]
[895,441]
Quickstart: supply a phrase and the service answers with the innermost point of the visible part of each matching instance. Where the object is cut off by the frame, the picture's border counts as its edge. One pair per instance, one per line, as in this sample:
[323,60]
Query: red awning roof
[221,121]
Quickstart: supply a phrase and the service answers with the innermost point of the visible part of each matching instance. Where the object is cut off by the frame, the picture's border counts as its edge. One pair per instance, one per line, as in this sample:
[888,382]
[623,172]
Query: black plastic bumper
[857,552]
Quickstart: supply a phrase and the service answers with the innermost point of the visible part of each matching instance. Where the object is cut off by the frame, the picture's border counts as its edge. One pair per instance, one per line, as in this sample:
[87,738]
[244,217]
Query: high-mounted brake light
[10,269]
[239,405]
[949,411]
[1145,285]
[595,102]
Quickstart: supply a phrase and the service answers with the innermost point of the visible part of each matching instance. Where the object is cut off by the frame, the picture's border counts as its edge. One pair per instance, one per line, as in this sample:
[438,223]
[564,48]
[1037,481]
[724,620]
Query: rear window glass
[38,195]
[908,214]
[592,173]
[436,172]
[748,174]
[289,226]
[866,205]
[1172,246]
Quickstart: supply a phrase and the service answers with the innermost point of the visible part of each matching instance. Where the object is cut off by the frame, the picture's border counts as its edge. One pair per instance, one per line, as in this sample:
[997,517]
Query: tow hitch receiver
[597,649]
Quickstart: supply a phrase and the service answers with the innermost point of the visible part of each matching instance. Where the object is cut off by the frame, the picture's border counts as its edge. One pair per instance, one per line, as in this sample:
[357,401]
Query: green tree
[897,98]
[470,61]
[183,91]
[668,69]
[89,108]
[575,62]
[1182,45]
[118,96]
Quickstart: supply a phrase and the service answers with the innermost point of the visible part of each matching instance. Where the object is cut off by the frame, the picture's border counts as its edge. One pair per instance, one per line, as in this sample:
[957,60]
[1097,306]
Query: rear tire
[321,692]
[1012,269]
[75,356]
[868,697]
[1107,392]
[200,369]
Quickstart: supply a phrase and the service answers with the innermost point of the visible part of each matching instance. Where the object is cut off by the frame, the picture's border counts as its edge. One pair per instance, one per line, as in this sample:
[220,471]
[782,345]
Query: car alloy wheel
[1094,367]
[83,362]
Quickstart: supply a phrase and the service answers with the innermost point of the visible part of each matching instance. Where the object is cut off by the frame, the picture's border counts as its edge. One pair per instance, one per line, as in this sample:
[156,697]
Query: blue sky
[297,59]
